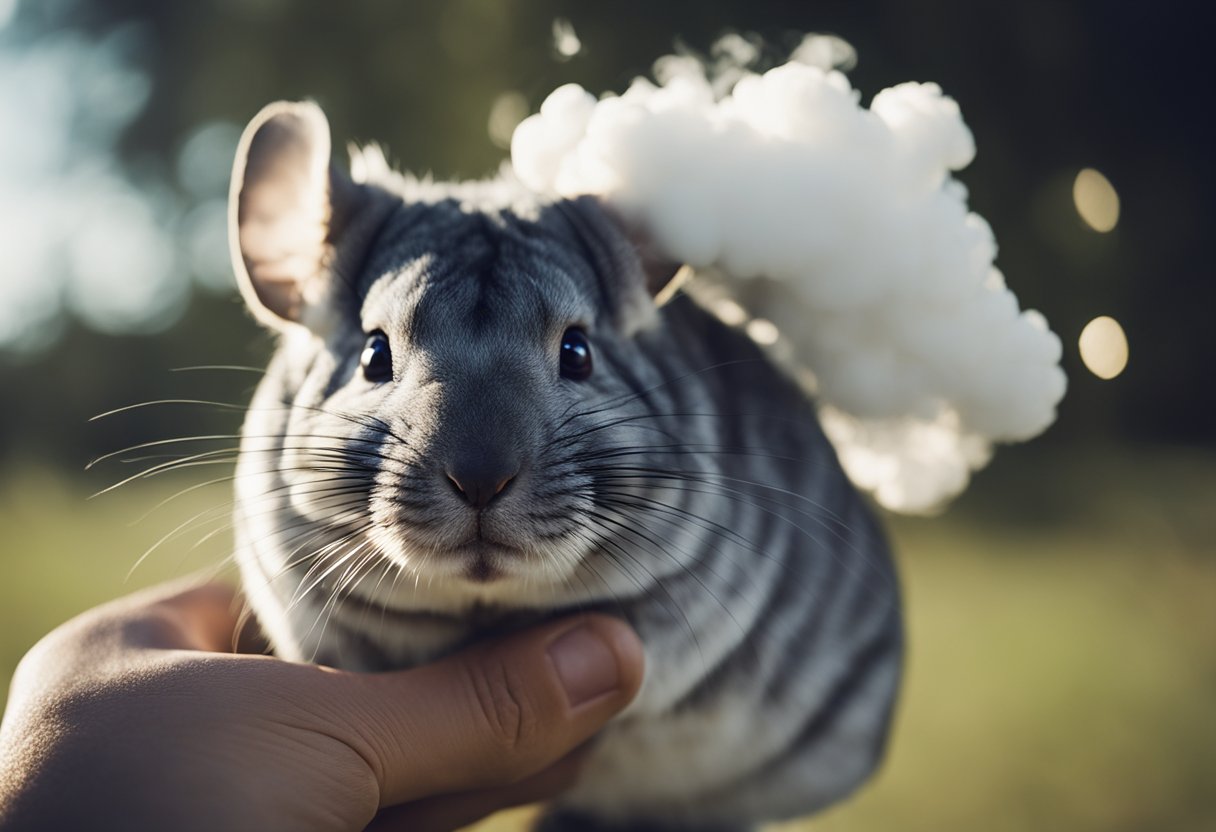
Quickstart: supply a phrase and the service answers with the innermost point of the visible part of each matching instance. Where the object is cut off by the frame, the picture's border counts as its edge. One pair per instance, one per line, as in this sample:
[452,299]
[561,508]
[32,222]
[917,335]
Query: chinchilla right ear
[293,217]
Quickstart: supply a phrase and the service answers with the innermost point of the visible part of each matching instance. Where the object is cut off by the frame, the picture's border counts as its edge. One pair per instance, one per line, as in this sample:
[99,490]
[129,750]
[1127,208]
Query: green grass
[63,552]
[1062,682]
[1062,662]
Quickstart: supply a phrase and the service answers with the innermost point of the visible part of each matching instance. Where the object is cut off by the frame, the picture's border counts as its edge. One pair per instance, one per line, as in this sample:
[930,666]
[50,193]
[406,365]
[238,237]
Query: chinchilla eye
[377,358]
[575,355]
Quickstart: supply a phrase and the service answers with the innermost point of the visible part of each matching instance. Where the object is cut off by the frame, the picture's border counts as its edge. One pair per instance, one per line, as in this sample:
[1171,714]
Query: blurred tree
[1048,88]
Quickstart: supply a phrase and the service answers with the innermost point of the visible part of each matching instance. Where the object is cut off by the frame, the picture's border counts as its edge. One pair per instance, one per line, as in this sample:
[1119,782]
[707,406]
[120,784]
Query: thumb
[493,713]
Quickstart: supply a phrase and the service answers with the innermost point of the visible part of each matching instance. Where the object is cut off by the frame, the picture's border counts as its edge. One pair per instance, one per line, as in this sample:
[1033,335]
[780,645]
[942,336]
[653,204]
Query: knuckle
[505,709]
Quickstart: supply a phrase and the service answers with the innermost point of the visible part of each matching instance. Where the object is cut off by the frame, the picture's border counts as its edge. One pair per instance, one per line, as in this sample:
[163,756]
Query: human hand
[133,715]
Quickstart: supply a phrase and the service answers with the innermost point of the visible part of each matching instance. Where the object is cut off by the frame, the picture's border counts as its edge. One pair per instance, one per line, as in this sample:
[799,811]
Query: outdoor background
[1062,667]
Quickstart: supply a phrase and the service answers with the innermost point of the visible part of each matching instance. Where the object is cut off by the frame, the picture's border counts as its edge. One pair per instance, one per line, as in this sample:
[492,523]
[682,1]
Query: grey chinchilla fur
[418,468]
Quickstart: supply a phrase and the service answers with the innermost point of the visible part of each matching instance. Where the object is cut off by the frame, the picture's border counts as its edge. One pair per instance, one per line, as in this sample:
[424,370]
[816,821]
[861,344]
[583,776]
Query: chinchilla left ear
[662,274]
[289,210]
[647,278]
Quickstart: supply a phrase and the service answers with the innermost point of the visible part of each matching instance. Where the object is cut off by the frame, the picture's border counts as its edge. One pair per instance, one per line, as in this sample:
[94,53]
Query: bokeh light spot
[1096,200]
[565,40]
[762,331]
[1104,347]
[507,111]
[204,163]
[8,10]
[729,312]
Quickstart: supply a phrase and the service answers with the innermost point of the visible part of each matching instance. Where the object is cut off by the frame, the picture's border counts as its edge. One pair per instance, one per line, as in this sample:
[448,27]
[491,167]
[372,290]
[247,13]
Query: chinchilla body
[478,417]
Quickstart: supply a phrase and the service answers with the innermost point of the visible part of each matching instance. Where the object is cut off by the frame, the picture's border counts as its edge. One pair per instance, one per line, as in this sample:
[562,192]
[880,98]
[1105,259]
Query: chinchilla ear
[663,275]
[288,210]
[623,247]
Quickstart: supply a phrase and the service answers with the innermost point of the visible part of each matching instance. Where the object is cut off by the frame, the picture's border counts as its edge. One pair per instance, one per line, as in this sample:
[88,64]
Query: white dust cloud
[921,354]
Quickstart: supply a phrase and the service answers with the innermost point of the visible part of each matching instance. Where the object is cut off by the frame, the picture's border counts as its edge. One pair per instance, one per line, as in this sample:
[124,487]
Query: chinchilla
[478,416]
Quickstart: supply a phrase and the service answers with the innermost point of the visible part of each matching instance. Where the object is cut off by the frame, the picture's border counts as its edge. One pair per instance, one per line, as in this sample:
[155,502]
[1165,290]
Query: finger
[492,714]
[185,614]
[453,811]
[180,615]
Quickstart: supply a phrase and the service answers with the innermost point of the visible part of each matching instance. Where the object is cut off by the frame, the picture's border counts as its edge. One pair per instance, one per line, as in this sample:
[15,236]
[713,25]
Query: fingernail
[585,664]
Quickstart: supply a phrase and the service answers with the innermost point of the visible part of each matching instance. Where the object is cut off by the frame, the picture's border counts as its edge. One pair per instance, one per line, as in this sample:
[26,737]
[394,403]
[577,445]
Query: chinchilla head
[452,360]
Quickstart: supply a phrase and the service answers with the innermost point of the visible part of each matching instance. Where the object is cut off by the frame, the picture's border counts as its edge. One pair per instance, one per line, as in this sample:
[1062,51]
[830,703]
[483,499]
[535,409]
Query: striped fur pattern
[685,485]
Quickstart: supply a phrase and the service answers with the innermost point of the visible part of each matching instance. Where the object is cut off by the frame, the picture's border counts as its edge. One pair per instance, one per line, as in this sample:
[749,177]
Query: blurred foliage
[1062,615]
[1047,87]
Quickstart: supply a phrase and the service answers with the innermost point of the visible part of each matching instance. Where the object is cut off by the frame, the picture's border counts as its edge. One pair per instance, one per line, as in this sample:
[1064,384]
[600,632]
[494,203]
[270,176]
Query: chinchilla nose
[481,477]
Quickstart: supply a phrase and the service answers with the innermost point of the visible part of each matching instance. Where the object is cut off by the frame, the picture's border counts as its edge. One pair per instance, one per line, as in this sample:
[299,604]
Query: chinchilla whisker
[624,398]
[356,457]
[660,545]
[183,528]
[765,502]
[719,491]
[202,541]
[691,449]
[716,477]
[675,518]
[344,560]
[681,484]
[334,548]
[759,502]
[243,620]
[303,536]
[340,483]
[200,461]
[593,541]
[319,571]
[398,571]
[222,513]
[365,569]
[198,487]
[373,423]
[654,584]
[142,458]
[334,500]
[215,514]
[342,588]
[761,416]
[572,438]
[346,585]
[228,437]
[615,552]
[220,565]
[261,371]
[344,514]
[637,501]
[177,440]
[228,406]
[614,560]
[305,531]
[220,456]
[633,419]
[386,566]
